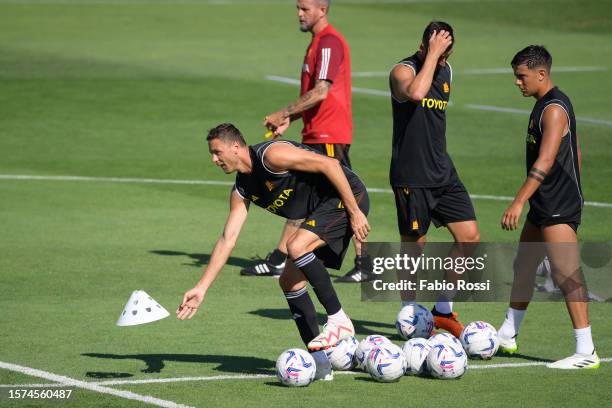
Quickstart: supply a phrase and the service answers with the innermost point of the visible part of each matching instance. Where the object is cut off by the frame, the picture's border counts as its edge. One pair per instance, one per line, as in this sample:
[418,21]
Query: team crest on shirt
[270,185]
[530,139]
[305,68]
[446,87]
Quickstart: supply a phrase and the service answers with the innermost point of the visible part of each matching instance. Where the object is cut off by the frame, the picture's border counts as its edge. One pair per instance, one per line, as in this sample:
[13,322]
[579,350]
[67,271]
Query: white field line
[71,382]
[483,71]
[261,376]
[292,81]
[378,92]
[526,112]
[27,177]
[113,180]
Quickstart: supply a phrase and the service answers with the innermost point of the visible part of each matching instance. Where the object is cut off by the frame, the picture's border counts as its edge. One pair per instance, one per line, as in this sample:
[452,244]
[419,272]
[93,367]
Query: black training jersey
[560,195]
[289,194]
[419,157]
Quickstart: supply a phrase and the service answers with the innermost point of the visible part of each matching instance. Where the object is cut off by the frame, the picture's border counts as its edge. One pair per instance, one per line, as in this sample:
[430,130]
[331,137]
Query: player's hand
[439,42]
[276,120]
[511,216]
[281,129]
[360,226]
[189,306]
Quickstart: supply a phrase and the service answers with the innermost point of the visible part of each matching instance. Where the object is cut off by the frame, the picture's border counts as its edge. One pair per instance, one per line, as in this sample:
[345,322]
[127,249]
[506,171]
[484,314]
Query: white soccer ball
[386,363]
[341,355]
[414,321]
[363,348]
[479,339]
[444,338]
[295,368]
[416,351]
[447,361]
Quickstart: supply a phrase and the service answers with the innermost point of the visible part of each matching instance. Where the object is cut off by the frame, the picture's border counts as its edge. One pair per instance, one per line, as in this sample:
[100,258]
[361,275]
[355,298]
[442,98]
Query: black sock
[277,257]
[303,313]
[317,275]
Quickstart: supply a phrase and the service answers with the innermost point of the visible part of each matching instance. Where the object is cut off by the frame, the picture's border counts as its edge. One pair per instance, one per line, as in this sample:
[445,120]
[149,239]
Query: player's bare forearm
[529,187]
[282,118]
[220,254]
[309,100]
[225,244]
[421,84]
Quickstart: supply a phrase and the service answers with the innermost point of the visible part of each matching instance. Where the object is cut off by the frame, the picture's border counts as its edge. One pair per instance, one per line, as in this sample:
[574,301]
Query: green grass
[128,89]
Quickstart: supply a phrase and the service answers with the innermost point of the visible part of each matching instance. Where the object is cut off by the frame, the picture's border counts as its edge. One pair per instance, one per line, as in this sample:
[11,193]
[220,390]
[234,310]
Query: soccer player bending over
[555,206]
[292,181]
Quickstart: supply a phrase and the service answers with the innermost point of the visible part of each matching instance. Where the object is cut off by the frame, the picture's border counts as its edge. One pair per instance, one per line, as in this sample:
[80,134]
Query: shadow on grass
[229,364]
[106,375]
[199,260]
[362,327]
[523,357]
[276,384]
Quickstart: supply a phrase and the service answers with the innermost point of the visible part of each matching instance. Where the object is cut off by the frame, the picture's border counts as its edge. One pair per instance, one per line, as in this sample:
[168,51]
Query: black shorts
[540,220]
[418,207]
[331,223]
[337,151]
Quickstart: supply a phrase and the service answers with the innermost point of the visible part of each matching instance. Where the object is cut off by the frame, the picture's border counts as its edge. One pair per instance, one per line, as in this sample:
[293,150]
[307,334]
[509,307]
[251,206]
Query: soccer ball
[479,339]
[341,356]
[416,351]
[295,368]
[386,363]
[414,321]
[444,338]
[364,347]
[446,361]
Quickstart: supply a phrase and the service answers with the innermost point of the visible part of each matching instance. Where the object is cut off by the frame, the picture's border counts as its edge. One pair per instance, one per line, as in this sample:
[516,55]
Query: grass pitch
[128,89]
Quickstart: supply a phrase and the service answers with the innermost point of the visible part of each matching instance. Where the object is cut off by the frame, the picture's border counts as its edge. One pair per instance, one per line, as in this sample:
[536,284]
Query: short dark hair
[326,3]
[227,133]
[436,26]
[533,56]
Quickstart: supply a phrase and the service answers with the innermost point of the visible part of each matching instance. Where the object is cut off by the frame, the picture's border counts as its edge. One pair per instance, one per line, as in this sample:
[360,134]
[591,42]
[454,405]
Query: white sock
[339,316]
[408,303]
[444,306]
[584,341]
[512,323]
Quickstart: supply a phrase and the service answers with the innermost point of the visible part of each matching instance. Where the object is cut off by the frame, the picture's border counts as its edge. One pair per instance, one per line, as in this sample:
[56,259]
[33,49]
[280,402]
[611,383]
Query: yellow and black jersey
[289,194]
[419,158]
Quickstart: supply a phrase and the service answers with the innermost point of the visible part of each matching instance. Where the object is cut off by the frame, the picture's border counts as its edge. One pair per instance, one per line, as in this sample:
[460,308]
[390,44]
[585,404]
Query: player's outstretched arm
[283,156]
[555,125]
[406,85]
[220,254]
[279,121]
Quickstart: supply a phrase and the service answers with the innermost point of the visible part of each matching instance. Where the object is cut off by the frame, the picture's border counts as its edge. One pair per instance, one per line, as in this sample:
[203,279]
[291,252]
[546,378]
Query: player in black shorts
[426,185]
[292,181]
[552,187]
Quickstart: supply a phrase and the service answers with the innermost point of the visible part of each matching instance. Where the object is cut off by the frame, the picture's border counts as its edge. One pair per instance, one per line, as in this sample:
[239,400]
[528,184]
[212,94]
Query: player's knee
[295,248]
[472,236]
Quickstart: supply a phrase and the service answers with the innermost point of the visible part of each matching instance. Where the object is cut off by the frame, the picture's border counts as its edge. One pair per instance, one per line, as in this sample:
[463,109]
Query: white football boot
[508,346]
[577,361]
